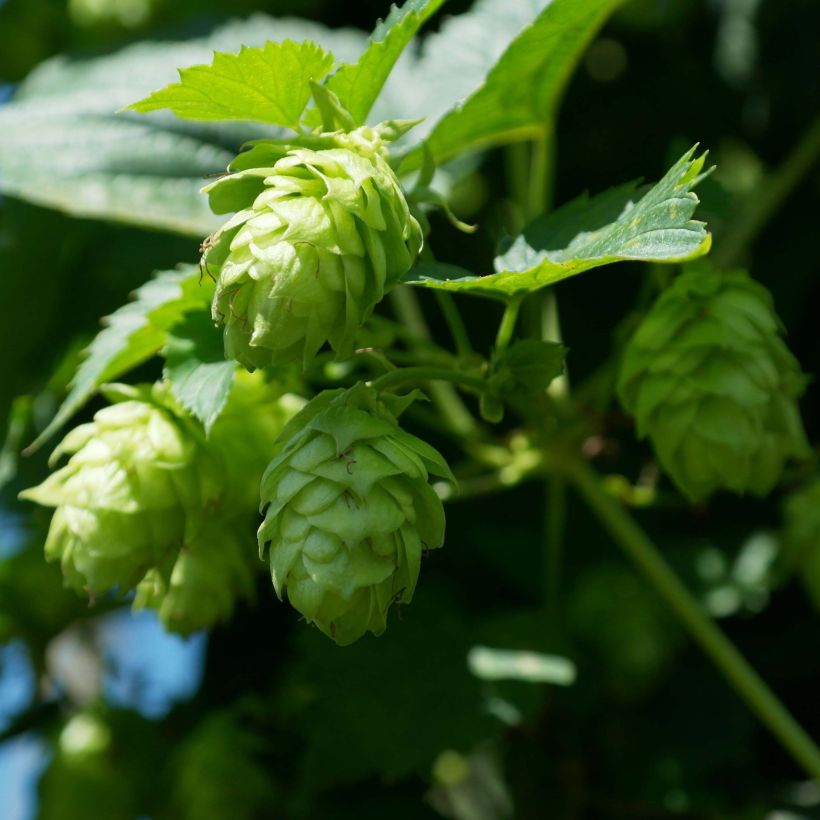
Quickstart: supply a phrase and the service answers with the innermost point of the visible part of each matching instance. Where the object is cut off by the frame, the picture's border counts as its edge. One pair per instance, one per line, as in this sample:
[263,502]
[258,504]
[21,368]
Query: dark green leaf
[133,334]
[200,376]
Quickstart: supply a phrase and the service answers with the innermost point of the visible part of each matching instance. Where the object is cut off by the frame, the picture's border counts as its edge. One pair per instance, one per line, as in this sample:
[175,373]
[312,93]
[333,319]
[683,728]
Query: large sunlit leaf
[63,146]
[497,73]
[358,85]
[269,84]
[650,224]
[132,335]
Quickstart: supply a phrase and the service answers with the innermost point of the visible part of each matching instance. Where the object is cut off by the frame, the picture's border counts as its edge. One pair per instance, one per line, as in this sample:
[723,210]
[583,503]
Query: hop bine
[711,383]
[348,512]
[319,238]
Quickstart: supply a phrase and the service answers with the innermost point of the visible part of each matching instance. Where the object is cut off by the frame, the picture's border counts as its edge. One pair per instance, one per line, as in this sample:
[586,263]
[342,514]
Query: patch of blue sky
[147,668]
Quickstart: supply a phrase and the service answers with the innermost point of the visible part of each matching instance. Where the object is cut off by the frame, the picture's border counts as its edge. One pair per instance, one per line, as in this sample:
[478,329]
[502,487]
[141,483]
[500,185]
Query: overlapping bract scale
[711,383]
[349,513]
[312,253]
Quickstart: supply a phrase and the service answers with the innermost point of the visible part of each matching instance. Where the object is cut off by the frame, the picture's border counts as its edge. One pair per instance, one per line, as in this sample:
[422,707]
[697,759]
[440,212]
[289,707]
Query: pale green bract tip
[711,383]
[318,239]
[349,511]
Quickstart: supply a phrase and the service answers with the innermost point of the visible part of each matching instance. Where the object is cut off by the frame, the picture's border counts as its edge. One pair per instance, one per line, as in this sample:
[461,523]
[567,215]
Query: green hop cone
[711,383]
[121,500]
[198,585]
[349,512]
[305,262]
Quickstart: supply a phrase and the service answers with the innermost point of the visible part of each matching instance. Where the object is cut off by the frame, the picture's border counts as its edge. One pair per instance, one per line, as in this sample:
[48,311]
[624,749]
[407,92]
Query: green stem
[507,326]
[748,684]
[455,323]
[771,193]
[413,375]
[542,161]
[452,408]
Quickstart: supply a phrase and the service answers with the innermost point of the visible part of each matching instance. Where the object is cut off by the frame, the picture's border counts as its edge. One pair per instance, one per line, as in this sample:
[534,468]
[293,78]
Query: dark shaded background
[649,729]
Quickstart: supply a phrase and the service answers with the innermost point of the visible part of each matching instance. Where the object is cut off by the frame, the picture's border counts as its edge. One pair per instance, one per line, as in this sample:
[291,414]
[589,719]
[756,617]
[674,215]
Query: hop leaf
[349,512]
[323,235]
[711,383]
[135,473]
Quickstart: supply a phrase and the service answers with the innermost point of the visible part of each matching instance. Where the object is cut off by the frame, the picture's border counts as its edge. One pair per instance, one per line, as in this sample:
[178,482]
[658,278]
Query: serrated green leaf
[269,84]
[64,147]
[201,378]
[512,92]
[627,223]
[358,84]
[133,334]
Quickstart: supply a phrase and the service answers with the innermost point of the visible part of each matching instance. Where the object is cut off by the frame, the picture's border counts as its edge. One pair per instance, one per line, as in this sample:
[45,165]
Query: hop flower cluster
[143,501]
[312,252]
[349,511]
[711,383]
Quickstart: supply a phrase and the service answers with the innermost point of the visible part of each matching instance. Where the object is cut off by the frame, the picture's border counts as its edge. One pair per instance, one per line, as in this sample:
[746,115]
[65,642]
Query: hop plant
[135,474]
[198,584]
[309,257]
[348,512]
[801,536]
[710,381]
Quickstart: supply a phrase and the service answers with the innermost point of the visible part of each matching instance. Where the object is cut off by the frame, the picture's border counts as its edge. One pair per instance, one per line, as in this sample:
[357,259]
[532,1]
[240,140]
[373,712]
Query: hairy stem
[743,678]
[455,323]
[507,326]
[457,416]
[414,375]
[770,195]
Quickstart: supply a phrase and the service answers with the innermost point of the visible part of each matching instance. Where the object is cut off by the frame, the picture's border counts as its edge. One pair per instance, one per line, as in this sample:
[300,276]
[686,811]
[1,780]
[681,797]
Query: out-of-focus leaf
[358,85]
[64,146]
[133,334]
[218,773]
[394,702]
[268,84]
[533,667]
[200,376]
[649,225]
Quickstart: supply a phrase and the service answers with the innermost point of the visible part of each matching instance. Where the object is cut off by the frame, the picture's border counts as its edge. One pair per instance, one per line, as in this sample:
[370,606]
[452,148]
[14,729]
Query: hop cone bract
[710,381]
[312,254]
[122,498]
[349,512]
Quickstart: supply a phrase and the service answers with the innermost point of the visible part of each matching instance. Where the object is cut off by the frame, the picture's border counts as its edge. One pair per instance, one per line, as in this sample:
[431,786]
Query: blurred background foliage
[265,718]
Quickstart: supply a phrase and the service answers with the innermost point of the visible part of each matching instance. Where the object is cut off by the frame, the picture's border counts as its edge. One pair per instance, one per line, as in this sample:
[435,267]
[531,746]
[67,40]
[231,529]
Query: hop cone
[710,381]
[198,585]
[121,500]
[349,512]
[308,260]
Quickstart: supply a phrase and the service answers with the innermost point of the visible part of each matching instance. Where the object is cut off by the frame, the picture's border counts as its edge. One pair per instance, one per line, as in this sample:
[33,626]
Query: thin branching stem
[737,670]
